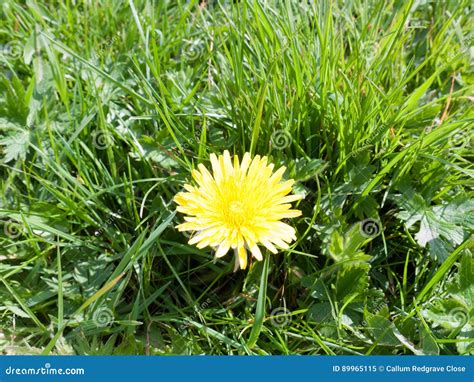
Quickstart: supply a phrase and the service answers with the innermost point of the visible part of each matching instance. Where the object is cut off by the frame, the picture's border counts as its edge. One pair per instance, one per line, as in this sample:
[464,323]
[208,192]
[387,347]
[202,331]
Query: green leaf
[88,302]
[346,249]
[318,289]
[16,145]
[442,270]
[260,309]
[441,225]
[385,333]
[152,150]
[258,117]
[321,312]
[428,342]
[29,49]
[336,246]
[382,330]
[465,285]
[465,345]
[447,313]
[17,311]
[352,280]
[462,291]
[305,169]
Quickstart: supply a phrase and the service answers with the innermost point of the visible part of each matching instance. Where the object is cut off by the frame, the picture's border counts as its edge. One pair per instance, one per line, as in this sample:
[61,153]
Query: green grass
[105,108]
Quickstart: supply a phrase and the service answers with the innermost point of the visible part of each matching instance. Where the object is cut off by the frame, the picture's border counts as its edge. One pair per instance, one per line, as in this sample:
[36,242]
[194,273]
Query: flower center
[236,213]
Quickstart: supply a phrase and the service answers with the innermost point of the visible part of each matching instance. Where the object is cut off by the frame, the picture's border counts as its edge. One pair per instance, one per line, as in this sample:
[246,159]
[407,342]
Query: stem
[260,310]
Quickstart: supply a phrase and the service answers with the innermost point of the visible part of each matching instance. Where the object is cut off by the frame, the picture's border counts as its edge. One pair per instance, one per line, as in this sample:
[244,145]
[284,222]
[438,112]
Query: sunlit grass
[105,109]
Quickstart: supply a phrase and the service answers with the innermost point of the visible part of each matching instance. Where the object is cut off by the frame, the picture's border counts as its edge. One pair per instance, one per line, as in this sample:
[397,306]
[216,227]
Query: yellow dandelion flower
[239,206]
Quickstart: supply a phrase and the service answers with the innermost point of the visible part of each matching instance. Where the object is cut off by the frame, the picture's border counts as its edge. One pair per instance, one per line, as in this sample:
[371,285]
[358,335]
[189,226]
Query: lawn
[107,107]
